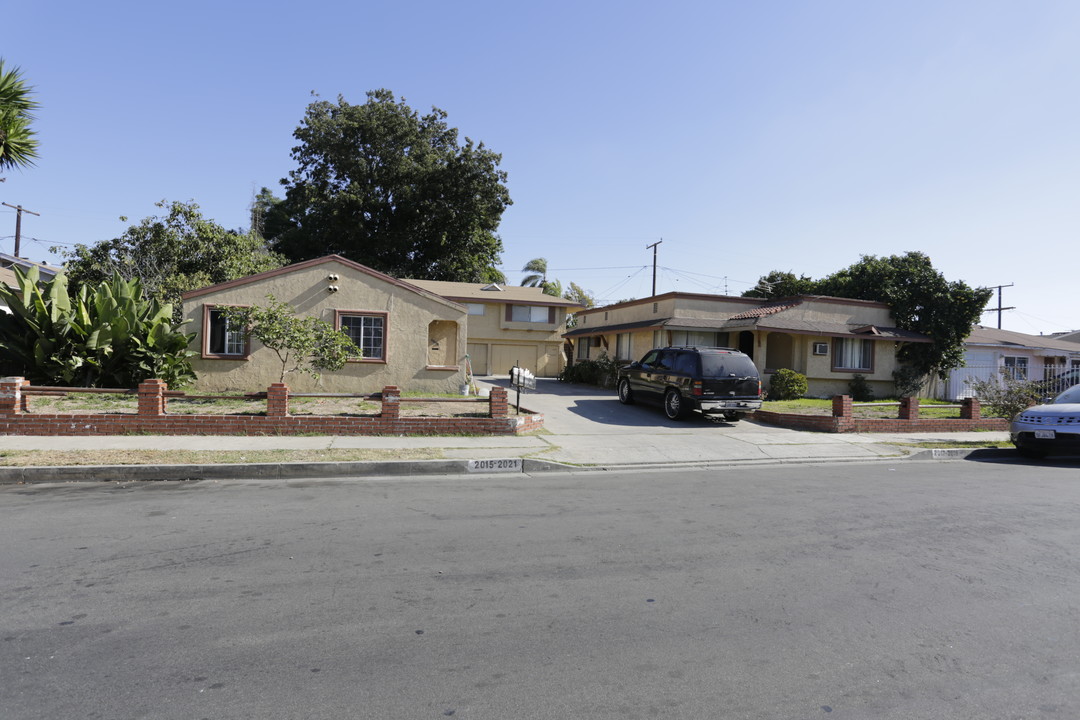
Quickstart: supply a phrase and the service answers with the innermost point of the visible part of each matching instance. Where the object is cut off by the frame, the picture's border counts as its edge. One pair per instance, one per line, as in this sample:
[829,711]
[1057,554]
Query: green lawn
[815,406]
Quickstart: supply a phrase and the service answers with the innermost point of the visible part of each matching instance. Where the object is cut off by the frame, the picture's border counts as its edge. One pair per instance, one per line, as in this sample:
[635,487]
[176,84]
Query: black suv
[716,381]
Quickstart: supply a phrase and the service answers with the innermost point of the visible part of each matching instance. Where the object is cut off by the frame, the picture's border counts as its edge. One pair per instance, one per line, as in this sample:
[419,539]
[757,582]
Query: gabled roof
[338,259]
[985,336]
[493,293]
[1072,336]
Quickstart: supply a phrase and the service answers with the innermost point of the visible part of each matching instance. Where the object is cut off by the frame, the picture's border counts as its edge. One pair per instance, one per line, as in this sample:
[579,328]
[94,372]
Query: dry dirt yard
[86,404]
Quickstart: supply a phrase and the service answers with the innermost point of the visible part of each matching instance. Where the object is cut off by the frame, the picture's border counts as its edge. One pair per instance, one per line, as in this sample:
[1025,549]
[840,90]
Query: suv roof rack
[698,347]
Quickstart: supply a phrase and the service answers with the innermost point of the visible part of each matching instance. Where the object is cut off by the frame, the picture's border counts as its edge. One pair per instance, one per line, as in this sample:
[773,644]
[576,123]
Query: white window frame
[1017,367]
[372,335]
[234,340]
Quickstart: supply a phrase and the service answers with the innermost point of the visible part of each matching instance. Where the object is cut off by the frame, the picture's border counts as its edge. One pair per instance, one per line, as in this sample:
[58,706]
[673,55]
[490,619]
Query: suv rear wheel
[673,404]
[626,395]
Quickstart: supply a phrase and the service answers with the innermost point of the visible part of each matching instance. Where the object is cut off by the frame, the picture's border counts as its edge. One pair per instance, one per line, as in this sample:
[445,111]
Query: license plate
[1045,434]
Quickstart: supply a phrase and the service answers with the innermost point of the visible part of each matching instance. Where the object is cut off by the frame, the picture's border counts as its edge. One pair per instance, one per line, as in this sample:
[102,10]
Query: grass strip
[51,458]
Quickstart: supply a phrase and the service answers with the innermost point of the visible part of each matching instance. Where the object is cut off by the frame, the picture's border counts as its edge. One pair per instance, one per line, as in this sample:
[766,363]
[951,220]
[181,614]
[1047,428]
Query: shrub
[108,335]
[787,385]
[859,389]
[602,371]
[1005,396]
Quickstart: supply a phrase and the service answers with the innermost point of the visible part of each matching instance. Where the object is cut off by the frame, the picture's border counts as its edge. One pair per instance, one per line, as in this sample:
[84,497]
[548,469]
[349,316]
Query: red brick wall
[153,418]
[843,421]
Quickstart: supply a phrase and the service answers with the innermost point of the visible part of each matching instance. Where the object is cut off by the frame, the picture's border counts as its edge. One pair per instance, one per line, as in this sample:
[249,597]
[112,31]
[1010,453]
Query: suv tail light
[695,389]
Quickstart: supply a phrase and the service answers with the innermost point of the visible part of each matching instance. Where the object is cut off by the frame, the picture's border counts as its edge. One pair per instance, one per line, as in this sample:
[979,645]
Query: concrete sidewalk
[585,428]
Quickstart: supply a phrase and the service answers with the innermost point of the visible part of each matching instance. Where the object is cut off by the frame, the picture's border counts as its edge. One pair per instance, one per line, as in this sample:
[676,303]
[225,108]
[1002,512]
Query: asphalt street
[876,590]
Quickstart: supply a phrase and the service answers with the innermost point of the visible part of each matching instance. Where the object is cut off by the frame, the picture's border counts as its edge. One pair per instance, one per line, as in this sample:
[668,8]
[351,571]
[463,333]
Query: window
[528,313]
[622,346]
[853,354]
[475,308]
[585,345]
[686,364]
[222,338]
[694,337]
[367,331]
[1016,368]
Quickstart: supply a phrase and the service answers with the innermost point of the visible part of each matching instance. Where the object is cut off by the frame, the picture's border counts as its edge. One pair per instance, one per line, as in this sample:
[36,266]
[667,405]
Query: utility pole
[653,246]
[999,309]
[19,210]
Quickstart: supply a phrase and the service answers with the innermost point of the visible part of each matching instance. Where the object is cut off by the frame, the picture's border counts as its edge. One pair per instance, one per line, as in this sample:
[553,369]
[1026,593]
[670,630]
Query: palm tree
[18,146]
[538,269]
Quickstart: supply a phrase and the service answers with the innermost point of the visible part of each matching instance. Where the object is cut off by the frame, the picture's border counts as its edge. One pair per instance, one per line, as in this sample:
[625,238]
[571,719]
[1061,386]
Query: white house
[989,351]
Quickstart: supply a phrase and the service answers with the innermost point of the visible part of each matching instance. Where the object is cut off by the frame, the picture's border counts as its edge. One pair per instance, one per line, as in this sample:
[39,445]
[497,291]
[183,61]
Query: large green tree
[172,253]
[18,143]
[920,297]
[778,284]
[395,190]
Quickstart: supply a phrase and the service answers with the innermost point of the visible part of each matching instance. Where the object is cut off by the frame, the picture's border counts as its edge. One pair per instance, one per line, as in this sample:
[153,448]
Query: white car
[1052,428]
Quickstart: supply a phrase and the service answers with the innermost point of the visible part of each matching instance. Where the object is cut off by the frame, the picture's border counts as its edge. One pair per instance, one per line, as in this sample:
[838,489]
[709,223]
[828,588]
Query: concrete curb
[962,454]
[524,466]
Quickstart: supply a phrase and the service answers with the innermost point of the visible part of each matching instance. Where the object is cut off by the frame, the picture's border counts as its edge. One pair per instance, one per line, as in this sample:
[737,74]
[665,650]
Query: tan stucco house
[509,326]
[410,336]
[828,339]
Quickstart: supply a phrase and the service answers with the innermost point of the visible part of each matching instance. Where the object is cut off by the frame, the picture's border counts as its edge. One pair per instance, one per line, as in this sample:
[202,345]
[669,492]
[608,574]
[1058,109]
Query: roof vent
[493,286]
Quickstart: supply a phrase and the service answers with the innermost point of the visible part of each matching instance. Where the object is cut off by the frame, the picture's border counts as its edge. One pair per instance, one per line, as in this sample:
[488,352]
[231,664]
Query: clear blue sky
[749,136]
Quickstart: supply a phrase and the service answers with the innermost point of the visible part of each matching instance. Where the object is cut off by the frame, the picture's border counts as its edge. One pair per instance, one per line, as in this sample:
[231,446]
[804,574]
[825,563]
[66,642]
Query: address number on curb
[948,453]
[507,465]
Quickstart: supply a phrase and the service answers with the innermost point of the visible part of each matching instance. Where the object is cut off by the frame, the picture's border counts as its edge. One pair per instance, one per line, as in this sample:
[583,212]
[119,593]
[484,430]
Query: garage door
[478,358]
[504,357]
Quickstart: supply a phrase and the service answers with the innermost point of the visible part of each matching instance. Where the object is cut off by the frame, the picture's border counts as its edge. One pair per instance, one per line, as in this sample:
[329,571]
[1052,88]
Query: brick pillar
[391,402]
[277,400]
[498,403]
[841,406]
[909,408]
[12,401]
[970,409]
[152,398]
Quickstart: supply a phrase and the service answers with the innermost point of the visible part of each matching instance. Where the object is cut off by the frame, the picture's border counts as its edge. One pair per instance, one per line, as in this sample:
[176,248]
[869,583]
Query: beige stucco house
[510,326]
[410,336]
[828,339]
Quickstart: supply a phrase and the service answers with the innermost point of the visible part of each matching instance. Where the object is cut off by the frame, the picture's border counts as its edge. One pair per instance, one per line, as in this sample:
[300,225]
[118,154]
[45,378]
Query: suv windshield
[716,365]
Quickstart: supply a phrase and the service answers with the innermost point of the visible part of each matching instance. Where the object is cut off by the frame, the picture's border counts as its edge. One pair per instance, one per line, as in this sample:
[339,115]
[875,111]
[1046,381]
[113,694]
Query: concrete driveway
[589,426]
